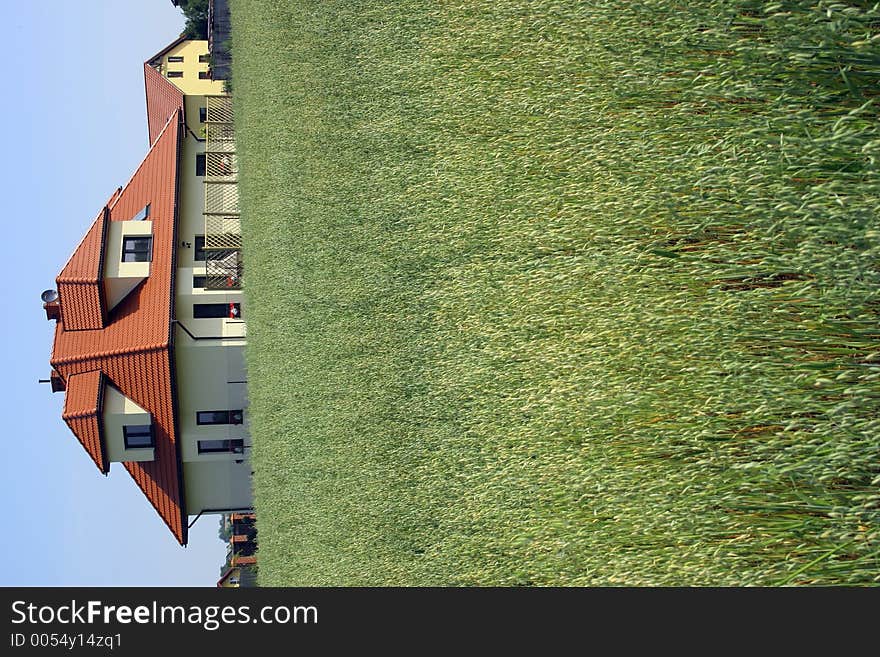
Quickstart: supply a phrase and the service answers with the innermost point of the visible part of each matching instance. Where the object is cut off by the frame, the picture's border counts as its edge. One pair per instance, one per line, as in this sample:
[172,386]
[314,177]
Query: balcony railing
[222,221]
[223,271]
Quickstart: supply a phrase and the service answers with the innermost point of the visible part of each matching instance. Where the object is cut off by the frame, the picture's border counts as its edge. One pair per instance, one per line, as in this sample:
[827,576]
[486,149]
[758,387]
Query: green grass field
[547,292]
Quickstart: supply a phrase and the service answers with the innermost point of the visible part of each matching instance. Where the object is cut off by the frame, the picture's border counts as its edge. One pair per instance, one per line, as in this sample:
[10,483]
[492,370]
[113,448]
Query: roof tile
[82,412]
[79,283]
[132,349]
[163,99]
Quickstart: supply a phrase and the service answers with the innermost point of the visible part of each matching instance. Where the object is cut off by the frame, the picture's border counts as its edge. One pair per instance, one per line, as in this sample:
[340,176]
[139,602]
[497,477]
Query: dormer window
[137,248]
[143,214]
[137,435]
[129,429]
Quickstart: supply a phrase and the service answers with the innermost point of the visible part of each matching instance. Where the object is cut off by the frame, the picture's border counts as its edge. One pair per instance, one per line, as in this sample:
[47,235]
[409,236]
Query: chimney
[57,382]
[53,310]
[51,304]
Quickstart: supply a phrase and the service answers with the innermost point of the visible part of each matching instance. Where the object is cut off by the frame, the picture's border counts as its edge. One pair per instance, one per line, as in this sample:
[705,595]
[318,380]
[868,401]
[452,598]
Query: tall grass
[556,292]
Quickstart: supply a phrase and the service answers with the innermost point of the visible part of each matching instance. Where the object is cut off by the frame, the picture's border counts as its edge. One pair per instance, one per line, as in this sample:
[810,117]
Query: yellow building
[186,63]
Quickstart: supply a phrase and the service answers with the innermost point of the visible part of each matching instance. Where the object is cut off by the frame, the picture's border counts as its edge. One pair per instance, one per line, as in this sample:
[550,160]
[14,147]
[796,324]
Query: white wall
[211,372]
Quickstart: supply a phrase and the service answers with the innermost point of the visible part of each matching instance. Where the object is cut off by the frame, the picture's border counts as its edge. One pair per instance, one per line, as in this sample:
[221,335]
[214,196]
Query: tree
[225,531]
[196,12]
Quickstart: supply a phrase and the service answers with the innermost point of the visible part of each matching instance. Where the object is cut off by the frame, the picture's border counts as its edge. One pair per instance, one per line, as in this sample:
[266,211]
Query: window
[218,417]
[143,214]
[137,435]
[175,59]
[203,59]
[200,164]
[203,114]
[175,74]
[201,255]
[234,445]
[200,282]
[137,249]
[216,310]
[204,75]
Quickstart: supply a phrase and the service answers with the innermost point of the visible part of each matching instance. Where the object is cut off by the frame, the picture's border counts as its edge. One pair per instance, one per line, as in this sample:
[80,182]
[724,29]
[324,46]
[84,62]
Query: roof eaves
[101,436]
[170,340]
[102,296]
[107,353]
[183,37]
[122,189]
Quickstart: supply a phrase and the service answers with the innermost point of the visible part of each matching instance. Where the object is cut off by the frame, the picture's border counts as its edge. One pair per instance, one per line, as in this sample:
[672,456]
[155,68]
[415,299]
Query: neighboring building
[240,531]
[150,320]
[238,577]
[186,63]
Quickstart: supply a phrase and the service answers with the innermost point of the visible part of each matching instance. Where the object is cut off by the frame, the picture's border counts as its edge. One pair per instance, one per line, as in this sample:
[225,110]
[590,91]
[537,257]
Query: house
[240,533]
[238,577]
[149,315]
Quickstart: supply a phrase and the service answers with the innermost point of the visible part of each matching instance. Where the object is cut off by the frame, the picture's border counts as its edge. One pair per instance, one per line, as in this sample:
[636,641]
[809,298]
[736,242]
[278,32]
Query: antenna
[48,296]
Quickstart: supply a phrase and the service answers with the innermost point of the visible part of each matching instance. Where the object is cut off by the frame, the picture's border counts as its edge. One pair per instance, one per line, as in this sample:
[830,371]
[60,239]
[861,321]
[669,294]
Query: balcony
[223,270]
[224,266]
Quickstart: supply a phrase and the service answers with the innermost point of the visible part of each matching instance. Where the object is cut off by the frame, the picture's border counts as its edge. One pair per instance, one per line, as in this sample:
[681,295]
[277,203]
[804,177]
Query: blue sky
[74,129]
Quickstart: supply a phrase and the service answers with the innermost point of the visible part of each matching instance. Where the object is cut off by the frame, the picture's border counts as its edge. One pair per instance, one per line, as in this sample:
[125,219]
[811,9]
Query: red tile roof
[82,412]
[133,348]
[79,283]
[163,99]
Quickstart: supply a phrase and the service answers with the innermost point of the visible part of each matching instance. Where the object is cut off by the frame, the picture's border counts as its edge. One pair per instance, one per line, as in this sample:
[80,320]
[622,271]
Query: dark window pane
[203,114]
[218,417]
[235,445]
[136,249]
[199,282]
[216,310]
[175,74]
[176,59]
[143,214]
[204,58]
[200,164]
[203,75]
[137,435]
[212,417]
[200,255]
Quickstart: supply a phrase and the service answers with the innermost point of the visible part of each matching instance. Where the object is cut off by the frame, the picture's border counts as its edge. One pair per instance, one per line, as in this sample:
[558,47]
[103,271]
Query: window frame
[204,313]
[200,254]
[221,446]
[143,215]
[199,248]
[225,417]
[126,434]
[126,239]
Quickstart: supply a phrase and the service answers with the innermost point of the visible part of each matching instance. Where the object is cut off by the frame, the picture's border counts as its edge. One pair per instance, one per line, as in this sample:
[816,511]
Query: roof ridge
[121,190]
[76,280]
[80,415]
[101,215]
[183,37]
[128,351]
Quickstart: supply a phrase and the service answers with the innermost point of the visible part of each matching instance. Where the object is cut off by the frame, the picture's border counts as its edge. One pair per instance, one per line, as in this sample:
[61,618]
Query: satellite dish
[48,296]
